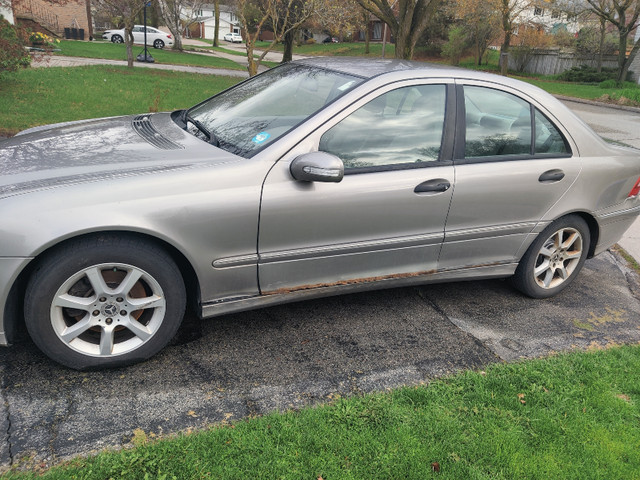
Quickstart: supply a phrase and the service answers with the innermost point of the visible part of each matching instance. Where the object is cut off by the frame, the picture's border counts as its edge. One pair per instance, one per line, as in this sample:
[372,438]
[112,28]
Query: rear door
[513,162]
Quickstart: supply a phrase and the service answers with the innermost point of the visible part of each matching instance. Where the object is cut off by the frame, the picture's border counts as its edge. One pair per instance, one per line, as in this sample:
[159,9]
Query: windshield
[248,117]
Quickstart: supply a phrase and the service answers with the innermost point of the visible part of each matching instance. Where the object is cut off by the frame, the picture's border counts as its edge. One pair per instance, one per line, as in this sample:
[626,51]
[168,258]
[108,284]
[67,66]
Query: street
[289,356]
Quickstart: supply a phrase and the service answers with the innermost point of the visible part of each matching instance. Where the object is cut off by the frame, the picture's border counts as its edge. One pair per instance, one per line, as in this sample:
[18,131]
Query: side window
[403,126]
[497,123]
[548,137]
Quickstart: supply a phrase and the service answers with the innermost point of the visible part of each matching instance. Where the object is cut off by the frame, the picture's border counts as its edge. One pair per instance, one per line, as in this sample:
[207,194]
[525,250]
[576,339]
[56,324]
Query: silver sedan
[316,178]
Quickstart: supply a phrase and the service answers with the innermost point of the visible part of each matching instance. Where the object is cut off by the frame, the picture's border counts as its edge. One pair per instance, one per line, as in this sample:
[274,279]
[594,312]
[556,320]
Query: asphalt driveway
[300,354]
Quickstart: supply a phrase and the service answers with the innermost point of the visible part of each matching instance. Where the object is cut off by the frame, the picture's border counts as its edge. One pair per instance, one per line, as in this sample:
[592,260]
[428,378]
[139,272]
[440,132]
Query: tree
[128,10]
[510,11]
[623,14]
[406,19]
[12,52]
[216,28]
[178,14]
[281,15]
[481,22]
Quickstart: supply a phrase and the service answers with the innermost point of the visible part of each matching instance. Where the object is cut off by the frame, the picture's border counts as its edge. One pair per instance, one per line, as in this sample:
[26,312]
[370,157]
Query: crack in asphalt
[442,312]
[7,413]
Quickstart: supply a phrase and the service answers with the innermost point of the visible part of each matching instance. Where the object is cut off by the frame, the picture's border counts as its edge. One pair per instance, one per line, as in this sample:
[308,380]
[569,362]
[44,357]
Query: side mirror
[317,167]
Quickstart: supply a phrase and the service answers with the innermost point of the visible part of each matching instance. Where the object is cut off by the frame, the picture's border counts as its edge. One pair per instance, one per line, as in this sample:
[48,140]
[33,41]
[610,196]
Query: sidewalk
[61,61]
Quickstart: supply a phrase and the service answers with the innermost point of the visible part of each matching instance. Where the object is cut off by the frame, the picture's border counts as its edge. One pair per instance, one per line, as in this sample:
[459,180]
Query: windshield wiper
[186,117]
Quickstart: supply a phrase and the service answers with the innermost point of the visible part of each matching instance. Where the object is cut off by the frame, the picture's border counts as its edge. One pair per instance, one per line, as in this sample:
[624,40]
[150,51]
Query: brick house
[54,18]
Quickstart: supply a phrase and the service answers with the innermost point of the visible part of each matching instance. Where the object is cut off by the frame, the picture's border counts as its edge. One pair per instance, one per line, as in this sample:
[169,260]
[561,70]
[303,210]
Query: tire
[117,39]
[554,259]
[159,44]
[105,301]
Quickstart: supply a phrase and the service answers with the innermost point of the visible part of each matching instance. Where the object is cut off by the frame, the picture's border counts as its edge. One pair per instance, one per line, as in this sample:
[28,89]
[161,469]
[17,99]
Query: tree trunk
[252,66]
[216,29]
[177,42]
[288,40]
[622,56]
[128,40]
[504,54]
[603,36]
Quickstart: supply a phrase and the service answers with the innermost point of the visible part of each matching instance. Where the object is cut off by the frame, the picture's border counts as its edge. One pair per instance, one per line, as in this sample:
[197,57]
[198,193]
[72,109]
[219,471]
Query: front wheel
[158,44]
[554,259]
[104,302]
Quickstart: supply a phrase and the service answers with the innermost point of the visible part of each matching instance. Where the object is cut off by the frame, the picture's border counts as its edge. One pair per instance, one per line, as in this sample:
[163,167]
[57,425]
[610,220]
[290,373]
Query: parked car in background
[318,177]
[155,37]
[233,37]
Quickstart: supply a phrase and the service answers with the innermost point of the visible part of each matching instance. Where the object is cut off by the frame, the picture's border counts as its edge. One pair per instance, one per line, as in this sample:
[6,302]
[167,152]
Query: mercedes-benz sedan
[316,178]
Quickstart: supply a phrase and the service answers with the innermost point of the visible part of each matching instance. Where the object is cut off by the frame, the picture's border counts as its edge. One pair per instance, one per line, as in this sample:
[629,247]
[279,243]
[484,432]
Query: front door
[385,218]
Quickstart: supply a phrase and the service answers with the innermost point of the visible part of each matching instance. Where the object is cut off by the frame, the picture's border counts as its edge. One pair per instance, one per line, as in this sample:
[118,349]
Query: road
[290,356]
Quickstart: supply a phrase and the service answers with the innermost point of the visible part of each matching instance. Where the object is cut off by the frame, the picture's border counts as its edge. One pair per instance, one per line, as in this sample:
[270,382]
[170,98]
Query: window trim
[460,140]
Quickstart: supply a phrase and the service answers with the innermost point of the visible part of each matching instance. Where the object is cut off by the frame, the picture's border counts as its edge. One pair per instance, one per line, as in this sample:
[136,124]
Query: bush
[608,84]
[586,74]
[310,41]
[12,52]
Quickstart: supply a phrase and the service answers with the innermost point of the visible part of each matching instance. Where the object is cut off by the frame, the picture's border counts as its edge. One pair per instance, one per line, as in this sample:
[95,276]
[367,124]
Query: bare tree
[281,15]
[179,14]
[216,27]
[624,15]
[510,12]
[407,19]
[128,10]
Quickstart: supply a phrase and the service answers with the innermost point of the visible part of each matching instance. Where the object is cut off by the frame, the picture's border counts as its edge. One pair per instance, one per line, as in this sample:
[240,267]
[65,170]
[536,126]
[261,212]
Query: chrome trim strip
[493,231]
[619,213]
[238,261]
[354,247]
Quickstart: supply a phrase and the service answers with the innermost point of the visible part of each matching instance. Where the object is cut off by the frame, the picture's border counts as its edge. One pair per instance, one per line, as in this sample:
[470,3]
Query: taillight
[635,190]
[168,35]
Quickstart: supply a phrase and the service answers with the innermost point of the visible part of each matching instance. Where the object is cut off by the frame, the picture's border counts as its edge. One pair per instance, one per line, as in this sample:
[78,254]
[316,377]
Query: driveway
[294,355]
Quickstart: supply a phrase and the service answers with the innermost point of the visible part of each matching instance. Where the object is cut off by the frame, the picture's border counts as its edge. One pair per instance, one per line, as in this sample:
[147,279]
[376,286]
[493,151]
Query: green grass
[33,97]
[573,416]
[355,49]
[113,51]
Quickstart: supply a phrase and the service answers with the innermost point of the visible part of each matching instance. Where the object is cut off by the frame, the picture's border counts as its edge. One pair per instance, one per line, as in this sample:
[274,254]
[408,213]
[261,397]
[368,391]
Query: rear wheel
[117,38]
[554,259]
[104,302]
[158,44]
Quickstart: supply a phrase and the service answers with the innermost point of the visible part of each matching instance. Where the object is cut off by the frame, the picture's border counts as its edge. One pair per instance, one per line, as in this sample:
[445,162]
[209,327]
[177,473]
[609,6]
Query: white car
[233,37]
[155,37]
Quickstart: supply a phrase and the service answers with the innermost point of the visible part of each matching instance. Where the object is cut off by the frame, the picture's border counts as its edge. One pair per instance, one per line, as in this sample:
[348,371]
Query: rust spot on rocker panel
[355,281]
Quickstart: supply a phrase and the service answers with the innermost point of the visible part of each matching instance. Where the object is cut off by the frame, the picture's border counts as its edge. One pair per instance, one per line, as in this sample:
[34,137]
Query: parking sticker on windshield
[261,138]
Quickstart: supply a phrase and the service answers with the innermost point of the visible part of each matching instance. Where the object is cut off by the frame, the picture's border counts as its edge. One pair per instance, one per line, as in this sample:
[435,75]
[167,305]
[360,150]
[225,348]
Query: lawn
[33,97]
[572,416]
[114,51]
[355,49]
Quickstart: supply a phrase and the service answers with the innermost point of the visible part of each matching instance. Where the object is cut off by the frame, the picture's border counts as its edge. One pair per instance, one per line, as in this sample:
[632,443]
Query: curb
[598,104]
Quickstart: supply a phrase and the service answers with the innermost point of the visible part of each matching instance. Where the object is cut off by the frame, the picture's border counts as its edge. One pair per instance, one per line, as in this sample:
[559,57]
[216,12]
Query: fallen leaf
[521,398]
[191,413]
[435,466]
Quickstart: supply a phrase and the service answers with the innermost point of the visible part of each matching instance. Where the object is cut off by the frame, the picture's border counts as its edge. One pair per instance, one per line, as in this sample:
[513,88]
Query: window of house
[538,11]
[377,31]
[555,14]
[403,126]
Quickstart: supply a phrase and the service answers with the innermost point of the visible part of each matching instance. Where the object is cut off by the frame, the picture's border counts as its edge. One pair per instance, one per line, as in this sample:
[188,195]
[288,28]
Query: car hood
[93,150]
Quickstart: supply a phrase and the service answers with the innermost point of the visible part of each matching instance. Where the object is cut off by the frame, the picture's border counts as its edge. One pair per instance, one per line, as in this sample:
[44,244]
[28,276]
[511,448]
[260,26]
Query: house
[204,26]
[72,17]
[6,12]
[549,17]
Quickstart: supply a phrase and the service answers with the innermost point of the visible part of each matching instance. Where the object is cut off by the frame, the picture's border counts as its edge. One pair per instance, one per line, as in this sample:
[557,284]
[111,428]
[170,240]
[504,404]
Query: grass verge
[40,96]
[570,416]
[113,51]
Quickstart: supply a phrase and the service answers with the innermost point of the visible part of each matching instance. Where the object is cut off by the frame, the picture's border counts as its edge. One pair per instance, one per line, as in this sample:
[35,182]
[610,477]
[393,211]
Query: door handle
[551,176]
[437,185]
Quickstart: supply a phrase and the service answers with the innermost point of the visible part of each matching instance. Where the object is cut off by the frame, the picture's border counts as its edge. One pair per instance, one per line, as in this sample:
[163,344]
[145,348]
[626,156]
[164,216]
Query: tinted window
[497,123]
[548,137]
[403,126]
